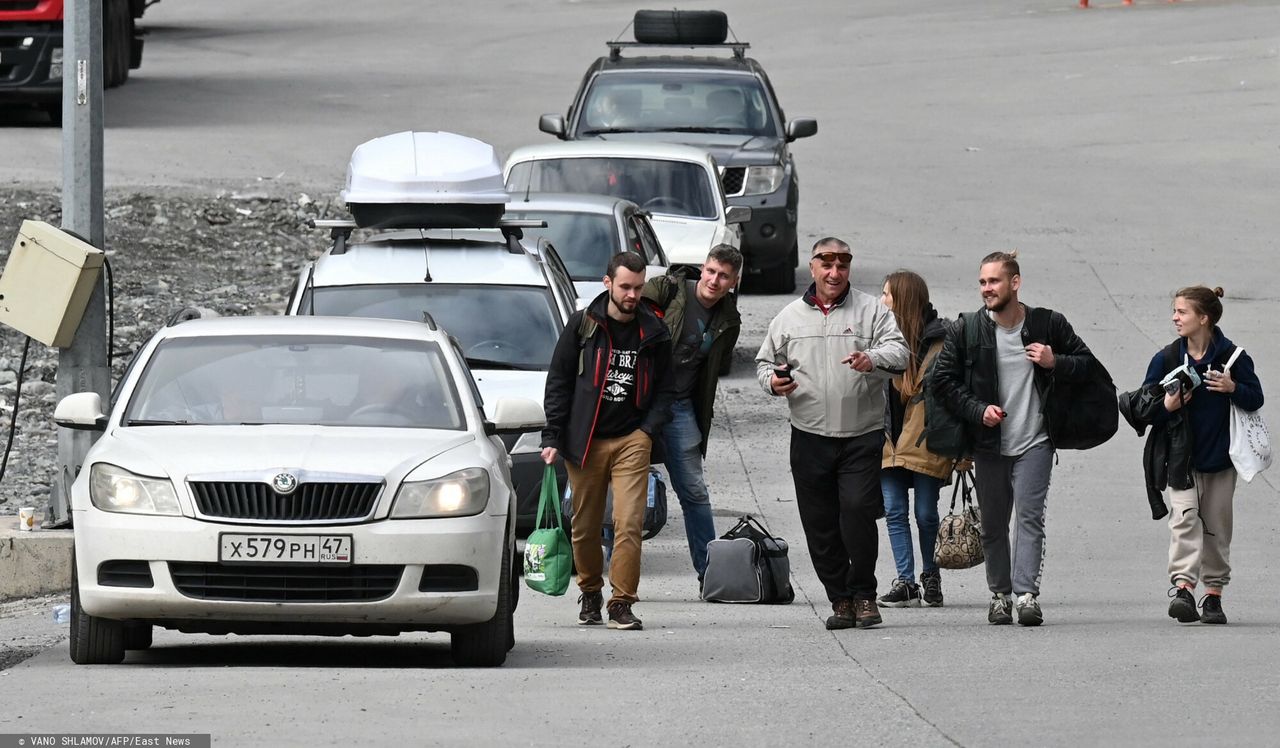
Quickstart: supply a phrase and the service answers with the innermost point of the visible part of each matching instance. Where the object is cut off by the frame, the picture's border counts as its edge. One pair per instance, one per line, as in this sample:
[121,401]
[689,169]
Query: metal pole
[83,366]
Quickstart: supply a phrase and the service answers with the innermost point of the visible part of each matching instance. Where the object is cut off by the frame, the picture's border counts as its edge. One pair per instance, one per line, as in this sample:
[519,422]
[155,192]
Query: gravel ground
[27,628]
[236,253]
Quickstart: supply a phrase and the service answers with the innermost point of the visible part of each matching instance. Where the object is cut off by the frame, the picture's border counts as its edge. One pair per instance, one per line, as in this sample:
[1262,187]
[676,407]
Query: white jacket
[830,398]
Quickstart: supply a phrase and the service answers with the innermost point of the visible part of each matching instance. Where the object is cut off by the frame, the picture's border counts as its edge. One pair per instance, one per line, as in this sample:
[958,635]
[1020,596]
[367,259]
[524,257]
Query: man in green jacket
[702,316]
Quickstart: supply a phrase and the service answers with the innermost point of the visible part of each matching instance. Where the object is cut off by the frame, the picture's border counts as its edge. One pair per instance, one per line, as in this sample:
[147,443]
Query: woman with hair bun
[1196,415]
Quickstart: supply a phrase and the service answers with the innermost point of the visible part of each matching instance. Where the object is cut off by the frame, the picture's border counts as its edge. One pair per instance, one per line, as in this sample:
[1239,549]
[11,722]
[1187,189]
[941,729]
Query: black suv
[723,104]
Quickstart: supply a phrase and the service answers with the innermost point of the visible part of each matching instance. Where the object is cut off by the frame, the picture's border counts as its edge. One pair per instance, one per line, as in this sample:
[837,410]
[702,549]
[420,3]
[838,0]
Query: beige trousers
[1200,530]
[623,463]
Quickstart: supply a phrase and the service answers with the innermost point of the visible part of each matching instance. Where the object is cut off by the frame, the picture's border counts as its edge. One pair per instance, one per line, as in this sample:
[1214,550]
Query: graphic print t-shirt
[619,415]
[694,343]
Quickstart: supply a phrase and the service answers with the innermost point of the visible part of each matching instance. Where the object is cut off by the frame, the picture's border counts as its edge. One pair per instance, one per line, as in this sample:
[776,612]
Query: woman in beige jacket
[908,466]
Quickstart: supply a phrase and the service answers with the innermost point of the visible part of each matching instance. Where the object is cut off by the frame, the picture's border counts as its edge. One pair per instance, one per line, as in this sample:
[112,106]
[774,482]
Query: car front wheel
[486,644]
[94,641]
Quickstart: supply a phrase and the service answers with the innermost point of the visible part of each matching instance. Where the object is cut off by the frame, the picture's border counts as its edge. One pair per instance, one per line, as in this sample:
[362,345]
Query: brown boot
[842,618]
[866,614]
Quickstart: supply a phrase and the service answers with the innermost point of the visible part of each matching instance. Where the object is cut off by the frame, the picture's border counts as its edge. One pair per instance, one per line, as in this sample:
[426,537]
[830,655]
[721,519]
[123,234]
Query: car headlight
[761,180]
[114,489]
[459,494]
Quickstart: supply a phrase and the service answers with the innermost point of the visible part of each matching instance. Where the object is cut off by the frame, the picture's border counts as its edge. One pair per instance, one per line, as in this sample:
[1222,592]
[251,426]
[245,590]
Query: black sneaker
[1029,610]
[903,594]
[1211,609]
[842,615]
[931,582]
[1000,613]
[1183,605]
[589,615]
[621,617]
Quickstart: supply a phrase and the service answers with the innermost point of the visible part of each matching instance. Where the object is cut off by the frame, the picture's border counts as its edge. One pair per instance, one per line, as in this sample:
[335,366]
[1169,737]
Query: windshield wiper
[155,422]
[487,363]
[719,130]
[611,130]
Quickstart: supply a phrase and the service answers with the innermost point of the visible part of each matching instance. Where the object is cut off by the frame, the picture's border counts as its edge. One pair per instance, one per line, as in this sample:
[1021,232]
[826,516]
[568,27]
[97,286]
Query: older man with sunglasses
[829,353]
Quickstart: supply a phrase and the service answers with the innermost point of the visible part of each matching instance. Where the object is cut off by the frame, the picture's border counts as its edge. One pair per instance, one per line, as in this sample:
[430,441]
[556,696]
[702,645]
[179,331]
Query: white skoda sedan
[295,475]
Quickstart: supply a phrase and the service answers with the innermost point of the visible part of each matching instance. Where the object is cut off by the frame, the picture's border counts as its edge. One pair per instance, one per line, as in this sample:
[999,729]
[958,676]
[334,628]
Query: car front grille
[311,502]
[281,583]
[732,178]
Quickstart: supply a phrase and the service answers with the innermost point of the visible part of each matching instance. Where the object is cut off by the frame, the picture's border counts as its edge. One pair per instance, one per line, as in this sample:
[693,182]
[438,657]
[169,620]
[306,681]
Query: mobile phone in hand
[782,373]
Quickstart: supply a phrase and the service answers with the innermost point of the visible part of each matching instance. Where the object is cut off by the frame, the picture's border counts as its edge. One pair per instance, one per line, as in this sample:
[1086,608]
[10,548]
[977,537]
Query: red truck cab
[31,62]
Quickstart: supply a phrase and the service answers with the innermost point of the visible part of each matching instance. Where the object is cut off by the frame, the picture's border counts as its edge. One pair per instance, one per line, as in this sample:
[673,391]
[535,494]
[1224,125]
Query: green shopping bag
[548,556]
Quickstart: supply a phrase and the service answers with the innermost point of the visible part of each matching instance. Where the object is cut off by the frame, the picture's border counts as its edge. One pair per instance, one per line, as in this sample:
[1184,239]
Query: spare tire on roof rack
[681,26]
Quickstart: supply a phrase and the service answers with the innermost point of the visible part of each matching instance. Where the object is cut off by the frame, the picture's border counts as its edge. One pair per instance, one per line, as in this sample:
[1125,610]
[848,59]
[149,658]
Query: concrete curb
[36,562]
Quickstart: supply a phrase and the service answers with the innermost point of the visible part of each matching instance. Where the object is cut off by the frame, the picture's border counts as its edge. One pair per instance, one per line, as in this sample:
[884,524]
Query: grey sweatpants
[1005,484]
[1200,530]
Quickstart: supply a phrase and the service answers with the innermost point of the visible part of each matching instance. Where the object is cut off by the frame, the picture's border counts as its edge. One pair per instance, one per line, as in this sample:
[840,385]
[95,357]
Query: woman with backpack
[907,465]
[1196,415]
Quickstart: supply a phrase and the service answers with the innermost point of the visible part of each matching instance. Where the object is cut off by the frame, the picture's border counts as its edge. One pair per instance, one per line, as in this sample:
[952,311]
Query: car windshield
[676,188]
[296,380]
[504,327]
[659,101]
[584,241]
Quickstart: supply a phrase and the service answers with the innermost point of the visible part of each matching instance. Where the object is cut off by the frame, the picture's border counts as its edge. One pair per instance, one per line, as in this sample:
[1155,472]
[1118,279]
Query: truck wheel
[681,26]
[94,641]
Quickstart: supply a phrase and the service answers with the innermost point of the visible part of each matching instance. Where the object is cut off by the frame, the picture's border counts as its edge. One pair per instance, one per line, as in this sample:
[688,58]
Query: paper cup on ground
[27,518]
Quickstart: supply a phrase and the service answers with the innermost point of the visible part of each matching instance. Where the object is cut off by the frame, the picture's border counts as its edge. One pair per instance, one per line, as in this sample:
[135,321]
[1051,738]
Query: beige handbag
[960,535]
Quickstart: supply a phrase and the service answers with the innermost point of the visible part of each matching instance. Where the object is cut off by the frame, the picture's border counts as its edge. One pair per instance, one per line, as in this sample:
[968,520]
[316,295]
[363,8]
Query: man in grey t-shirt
[1000,395]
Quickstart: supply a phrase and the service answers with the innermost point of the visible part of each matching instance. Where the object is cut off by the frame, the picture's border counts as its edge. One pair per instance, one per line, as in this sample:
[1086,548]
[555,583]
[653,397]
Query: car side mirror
[81,411]
[552,124]
[801,127]
[737,214]
[515,415]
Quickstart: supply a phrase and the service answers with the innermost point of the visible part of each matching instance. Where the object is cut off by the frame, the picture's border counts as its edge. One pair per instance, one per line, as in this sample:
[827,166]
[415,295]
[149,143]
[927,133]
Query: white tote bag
[1250,441]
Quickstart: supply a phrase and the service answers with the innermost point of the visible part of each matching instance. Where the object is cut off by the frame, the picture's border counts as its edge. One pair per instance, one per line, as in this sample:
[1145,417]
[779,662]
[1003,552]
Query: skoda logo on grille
[284,483]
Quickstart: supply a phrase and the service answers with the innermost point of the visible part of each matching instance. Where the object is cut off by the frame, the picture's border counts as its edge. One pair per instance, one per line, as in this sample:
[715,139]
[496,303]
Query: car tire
[486,644]
[93,641]
[137,636]
[681,26]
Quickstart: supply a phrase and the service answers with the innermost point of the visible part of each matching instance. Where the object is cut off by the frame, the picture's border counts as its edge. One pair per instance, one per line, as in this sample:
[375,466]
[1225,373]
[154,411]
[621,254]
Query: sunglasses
[844,257]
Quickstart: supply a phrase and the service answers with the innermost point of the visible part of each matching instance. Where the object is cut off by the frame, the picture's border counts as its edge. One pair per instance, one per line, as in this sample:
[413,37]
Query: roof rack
[340,230]
[739,49]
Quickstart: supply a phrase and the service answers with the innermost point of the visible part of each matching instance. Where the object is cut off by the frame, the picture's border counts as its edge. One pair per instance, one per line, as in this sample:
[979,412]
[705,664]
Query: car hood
[687,241]
[727,150]
[181,451]
[499,383]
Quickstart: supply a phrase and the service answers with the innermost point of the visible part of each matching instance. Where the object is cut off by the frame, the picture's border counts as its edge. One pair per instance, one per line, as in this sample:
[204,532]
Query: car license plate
[284,549]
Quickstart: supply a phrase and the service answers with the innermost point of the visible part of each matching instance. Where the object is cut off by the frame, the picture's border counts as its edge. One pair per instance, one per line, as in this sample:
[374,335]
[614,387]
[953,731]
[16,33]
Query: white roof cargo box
[425,180]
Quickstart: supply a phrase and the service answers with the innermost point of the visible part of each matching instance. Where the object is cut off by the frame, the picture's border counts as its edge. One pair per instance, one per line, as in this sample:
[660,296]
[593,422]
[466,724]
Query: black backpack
[1081,414]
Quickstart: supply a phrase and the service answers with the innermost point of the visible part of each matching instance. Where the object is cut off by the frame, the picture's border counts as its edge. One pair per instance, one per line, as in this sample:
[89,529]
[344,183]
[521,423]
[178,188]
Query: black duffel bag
[747,565]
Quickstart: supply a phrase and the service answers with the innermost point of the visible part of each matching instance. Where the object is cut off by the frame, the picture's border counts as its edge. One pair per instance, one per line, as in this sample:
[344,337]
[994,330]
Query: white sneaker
[1029,610]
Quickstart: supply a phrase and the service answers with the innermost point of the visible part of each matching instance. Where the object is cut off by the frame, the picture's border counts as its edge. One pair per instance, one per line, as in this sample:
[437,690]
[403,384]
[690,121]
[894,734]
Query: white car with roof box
[678,185]
[294,475]
[429,236]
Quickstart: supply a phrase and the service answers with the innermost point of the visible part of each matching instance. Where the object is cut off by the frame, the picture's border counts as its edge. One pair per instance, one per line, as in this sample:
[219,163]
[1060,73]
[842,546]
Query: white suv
[432,205]
[504,302]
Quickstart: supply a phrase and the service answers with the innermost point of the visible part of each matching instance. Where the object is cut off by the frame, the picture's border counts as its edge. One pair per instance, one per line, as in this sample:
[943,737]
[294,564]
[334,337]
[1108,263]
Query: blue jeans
[682,441]
[895,482]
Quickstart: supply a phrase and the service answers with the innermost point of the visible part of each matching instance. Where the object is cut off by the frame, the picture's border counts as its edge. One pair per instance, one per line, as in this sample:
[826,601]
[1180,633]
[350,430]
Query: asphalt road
[1125,151]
